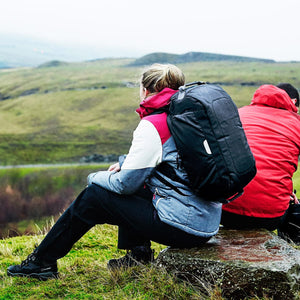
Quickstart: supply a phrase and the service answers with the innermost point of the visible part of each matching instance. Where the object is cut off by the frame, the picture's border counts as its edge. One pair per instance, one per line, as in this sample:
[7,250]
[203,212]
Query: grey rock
[242,263]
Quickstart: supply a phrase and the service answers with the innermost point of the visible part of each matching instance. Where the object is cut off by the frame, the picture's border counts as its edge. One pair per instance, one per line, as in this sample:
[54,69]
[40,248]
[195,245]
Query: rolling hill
[161,57]
[62,112]
[27,51]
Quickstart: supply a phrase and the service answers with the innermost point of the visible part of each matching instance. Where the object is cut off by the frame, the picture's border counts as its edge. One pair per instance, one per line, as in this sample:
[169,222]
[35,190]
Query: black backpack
[211,142]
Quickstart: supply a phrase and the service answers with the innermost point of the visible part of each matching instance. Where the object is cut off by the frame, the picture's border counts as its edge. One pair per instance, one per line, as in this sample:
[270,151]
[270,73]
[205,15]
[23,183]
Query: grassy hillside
[62,112]
[83,272]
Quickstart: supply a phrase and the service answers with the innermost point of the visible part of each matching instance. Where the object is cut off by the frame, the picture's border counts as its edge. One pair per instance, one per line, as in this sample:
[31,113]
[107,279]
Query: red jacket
[272,127]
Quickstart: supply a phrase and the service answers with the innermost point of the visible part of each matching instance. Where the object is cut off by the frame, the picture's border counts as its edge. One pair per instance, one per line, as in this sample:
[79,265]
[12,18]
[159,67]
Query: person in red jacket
[271,124]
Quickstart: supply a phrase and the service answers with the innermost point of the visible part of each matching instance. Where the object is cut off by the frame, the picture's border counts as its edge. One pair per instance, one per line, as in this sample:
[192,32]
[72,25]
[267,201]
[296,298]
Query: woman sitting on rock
[131,194]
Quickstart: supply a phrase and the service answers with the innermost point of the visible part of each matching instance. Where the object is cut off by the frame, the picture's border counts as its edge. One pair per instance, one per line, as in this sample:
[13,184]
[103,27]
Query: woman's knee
[89,197]
[96,196]
[94,191]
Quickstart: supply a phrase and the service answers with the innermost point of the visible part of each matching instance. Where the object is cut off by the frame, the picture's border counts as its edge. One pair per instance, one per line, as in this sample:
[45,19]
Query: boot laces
[30,258]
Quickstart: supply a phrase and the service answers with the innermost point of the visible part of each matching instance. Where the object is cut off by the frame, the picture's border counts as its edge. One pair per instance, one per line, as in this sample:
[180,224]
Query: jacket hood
[155,102]
[270,95]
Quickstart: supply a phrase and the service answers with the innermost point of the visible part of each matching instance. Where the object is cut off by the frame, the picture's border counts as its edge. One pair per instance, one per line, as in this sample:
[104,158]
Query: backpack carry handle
[183,87]
[187,85]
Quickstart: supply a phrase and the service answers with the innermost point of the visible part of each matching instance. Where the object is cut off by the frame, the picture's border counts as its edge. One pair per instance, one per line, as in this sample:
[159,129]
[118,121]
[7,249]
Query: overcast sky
[256,28]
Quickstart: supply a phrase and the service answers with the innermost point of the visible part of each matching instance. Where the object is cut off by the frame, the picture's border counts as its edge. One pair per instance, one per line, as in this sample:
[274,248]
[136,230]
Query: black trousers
[234,221]
[134,214]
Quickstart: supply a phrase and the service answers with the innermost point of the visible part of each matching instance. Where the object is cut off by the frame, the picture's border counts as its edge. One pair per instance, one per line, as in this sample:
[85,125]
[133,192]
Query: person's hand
[114,168]
[294,198]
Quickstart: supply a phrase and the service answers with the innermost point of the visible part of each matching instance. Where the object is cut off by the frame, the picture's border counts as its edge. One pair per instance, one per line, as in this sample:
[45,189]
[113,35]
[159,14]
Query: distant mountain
[24,51]
[161,57]
[53,63]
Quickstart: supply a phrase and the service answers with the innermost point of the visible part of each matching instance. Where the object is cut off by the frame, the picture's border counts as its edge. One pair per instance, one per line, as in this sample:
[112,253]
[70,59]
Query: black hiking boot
[140,255]
[35,268]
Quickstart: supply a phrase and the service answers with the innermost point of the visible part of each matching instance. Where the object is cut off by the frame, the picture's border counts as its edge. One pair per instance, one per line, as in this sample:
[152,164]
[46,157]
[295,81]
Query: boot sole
[40,276]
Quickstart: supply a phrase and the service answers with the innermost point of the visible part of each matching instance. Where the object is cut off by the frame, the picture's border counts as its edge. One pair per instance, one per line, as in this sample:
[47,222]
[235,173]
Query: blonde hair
[159,76]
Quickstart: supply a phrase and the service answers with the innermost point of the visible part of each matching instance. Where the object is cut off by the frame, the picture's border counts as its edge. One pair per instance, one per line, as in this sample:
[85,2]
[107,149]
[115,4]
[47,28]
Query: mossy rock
[242,263]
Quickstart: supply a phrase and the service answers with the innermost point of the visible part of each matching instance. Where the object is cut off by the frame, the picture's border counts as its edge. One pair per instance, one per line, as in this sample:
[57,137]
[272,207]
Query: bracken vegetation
[33,194]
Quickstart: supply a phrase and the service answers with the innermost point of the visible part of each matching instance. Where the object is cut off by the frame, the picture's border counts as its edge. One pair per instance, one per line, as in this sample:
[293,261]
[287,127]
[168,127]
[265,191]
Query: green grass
[71,115]
[83,273]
